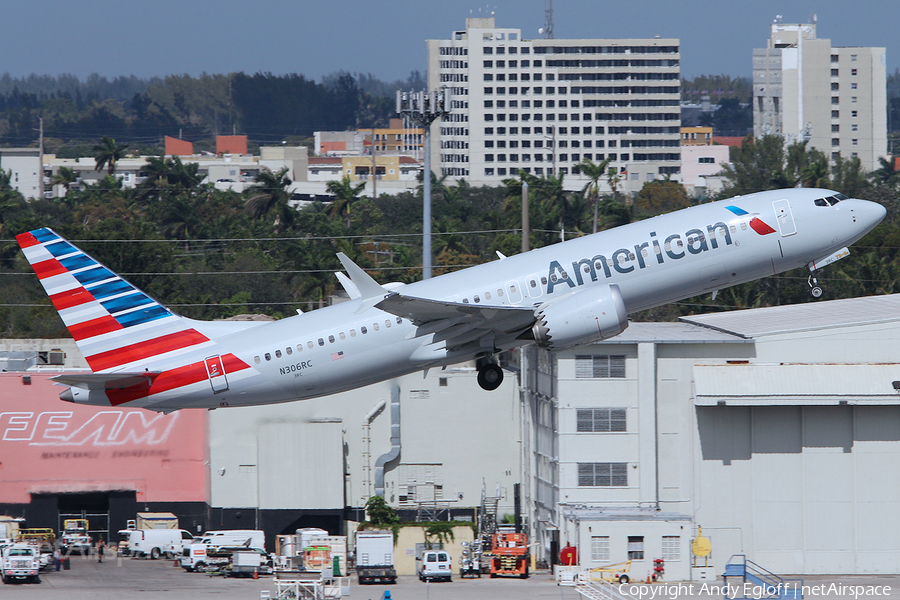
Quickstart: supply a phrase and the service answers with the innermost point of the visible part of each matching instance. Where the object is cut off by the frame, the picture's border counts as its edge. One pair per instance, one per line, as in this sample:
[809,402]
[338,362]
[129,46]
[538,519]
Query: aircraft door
[215,370]
[514,292]
[784,217]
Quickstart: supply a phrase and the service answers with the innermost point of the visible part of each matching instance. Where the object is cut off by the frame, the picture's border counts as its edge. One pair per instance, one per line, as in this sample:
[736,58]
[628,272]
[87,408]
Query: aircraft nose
[869,214]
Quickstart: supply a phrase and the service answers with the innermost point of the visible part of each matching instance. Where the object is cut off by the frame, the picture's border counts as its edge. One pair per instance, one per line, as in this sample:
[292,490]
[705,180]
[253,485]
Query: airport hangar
[776,430]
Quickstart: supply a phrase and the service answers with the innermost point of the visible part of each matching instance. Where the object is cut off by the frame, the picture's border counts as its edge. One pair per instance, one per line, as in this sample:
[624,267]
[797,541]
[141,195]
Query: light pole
[422,108]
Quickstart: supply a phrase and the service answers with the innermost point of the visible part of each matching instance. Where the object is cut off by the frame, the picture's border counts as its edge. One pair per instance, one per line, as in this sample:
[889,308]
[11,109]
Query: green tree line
[209,253]
[265,107]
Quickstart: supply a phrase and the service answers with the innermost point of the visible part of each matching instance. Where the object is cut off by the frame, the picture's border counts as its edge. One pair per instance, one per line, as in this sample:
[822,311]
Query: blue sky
[387,37]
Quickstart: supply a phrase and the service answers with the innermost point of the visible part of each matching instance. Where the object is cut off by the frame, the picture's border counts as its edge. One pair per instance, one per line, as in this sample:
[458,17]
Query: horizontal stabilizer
[104,381]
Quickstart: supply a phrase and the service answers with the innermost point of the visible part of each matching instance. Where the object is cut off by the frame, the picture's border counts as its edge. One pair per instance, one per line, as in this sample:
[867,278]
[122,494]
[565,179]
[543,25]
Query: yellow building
[394,138]
[387,168]
[696,136]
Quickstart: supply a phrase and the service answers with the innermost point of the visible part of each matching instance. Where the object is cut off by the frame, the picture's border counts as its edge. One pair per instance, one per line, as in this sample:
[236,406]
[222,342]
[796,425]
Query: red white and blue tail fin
[115,325]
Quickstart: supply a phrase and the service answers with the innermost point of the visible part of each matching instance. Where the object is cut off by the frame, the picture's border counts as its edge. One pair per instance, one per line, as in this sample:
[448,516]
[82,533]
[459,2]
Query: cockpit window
[830,200]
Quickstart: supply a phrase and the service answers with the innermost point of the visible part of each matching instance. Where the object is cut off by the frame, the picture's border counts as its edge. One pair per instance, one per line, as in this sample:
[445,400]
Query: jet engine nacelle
[581,317]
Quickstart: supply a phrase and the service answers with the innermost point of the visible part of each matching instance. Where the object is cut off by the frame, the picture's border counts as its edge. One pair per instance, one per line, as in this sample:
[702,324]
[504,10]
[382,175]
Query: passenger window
[330,339]
[342,336]
[321,342]
[644,253]
[375,326]
[533,283]
[487,295]
[387,322]
[399,320]
[278,354]
[500,293]
[743,225]
[268,356]
[465,300]
[256,359]
[309,344]
[512,289]
[476,299]
[543,281]
[299,347]
[733,229]
[364,330]
[352,333]
[289,350]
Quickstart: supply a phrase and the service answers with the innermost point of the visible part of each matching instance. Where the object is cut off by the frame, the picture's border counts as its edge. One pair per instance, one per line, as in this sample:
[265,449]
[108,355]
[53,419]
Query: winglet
[348,285]
[368,287]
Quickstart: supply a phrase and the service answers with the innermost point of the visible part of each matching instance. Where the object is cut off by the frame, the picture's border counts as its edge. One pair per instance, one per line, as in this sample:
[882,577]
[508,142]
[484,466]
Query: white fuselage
[655,261]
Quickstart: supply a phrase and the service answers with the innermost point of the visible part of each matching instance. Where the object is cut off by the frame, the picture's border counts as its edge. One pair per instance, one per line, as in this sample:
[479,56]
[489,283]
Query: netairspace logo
[751,590]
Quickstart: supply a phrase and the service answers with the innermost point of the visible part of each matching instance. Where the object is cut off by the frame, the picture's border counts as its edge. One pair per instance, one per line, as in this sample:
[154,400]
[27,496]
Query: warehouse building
[430,445]
[776,430]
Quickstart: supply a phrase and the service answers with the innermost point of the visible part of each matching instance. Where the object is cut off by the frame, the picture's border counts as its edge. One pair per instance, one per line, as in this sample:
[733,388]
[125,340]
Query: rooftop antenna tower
[548,20]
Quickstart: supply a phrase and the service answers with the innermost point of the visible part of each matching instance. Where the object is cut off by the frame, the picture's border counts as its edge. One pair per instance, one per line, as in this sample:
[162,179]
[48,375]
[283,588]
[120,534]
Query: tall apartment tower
[544,105]
[805,89]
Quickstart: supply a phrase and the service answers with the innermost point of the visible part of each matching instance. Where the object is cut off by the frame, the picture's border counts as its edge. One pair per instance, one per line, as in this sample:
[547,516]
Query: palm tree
[613,178]
[64,177]
[345,194]
[272,196]
[107,153]
[594,172]
[885,173]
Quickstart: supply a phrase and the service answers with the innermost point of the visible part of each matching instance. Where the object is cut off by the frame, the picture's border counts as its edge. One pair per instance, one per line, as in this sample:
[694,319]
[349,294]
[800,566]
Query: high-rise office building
[544,105]
[806,89]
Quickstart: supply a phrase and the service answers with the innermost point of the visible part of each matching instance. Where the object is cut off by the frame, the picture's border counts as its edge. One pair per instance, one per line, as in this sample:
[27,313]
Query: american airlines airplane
[143,355]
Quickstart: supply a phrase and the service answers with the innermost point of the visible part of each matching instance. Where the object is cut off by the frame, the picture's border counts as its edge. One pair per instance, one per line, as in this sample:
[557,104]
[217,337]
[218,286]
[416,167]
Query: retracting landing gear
[815,290]
[490,375]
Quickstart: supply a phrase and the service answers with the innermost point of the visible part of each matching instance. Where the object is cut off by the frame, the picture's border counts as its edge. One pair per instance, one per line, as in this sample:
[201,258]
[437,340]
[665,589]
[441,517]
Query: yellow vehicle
[616,573]
[75,537]
[37,535]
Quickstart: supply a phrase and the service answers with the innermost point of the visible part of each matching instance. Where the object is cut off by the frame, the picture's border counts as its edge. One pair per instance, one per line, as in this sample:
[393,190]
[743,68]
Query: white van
[433,565]
[158,542]
[194,556]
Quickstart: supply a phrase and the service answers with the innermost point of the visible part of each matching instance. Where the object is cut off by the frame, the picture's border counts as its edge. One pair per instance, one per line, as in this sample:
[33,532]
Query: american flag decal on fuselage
[116,326]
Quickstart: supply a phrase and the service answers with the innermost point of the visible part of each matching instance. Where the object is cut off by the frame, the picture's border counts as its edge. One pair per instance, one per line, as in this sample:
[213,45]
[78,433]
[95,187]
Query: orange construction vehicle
[510,555]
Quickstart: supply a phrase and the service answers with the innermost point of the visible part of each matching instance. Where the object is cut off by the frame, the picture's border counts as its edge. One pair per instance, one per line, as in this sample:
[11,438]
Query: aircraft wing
[458,323]
[104,381]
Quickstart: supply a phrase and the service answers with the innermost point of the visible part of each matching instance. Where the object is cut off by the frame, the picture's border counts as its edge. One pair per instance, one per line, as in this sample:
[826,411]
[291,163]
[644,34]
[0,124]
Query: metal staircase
[598,589]
[767,584]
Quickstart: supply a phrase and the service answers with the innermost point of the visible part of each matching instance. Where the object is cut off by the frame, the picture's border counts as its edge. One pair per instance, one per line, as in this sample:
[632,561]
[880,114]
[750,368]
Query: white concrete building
[545,105]
[777,430]
[698,164]
[805,89]
[24,168]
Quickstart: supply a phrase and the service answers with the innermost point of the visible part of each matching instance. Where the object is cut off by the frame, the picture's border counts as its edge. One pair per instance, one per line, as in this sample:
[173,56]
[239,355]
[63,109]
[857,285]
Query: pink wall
[47,445]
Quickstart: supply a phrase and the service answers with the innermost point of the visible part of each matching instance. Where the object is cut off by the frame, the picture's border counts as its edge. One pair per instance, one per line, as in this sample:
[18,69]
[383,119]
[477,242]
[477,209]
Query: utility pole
[423,108]
[526,225]
[41,160]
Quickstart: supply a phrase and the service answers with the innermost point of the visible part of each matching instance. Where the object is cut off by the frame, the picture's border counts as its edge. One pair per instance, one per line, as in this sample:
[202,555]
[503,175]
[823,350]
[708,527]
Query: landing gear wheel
[490,376]
[815,290]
